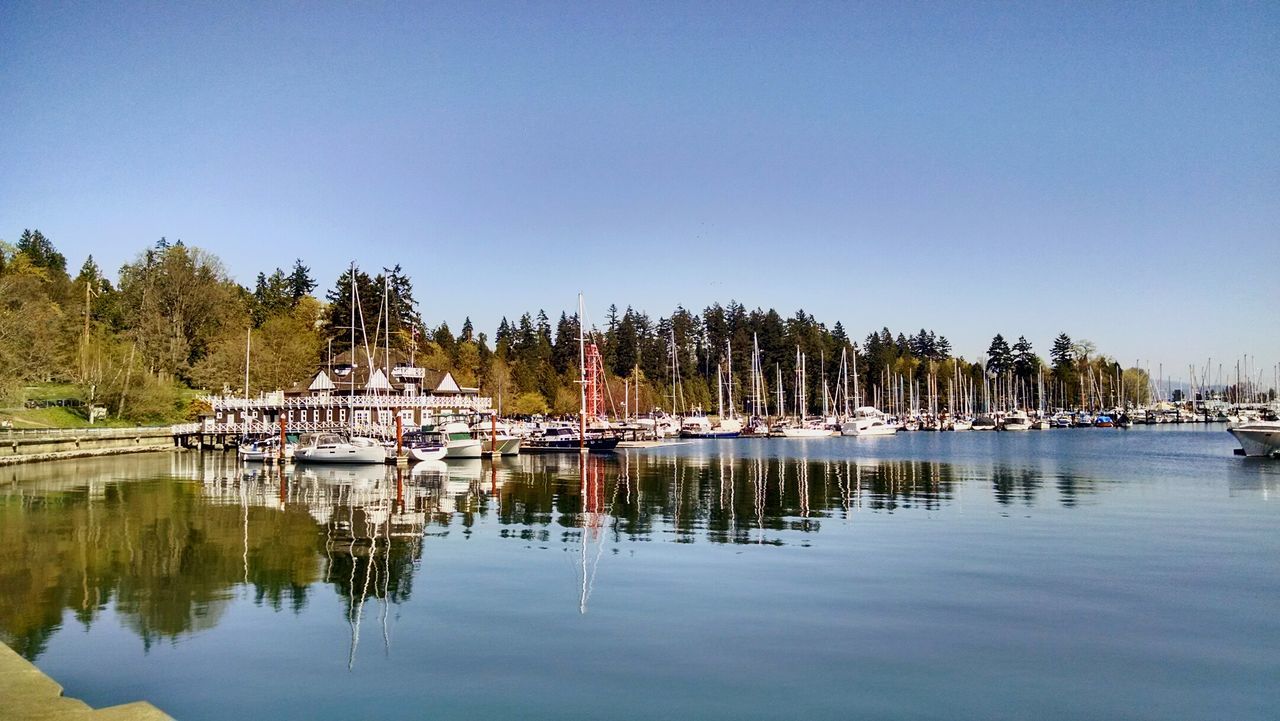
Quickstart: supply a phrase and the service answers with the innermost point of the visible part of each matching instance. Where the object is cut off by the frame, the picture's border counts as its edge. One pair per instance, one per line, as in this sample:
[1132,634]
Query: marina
[665,360]
[846,570]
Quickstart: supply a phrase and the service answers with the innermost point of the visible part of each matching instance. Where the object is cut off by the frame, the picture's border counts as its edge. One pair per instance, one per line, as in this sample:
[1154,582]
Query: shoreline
[31,694]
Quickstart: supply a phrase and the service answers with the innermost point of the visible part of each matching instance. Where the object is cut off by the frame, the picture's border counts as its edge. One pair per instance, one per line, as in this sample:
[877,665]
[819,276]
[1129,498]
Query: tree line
[174,320]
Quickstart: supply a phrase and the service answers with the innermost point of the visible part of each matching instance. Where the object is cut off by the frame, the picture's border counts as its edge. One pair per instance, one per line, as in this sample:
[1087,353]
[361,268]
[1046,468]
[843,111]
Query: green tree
[999,356]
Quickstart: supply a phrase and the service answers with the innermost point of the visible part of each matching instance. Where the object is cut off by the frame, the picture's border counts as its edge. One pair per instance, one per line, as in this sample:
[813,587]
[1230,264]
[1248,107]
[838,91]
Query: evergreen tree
[343,315]
[1024,360]
[1061,353]
[999,356]
[944,347]
[41,253]
[300,283]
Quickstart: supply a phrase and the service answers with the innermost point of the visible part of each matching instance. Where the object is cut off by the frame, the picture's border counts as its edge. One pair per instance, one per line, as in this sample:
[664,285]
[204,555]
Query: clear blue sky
[1111,170]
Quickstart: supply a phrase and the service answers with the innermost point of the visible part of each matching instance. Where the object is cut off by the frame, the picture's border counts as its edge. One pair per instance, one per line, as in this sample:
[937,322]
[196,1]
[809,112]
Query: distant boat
[1104,421]
[1016,421]
[983,423]
[264,449]
[808,430]
[869,421]
[701,427]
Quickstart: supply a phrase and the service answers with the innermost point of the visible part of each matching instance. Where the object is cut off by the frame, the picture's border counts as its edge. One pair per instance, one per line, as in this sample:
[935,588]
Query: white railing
[258,428]
[84,432]
[468,403]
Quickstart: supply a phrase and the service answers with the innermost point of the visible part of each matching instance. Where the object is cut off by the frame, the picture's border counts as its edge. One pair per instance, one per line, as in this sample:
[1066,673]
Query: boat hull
[505,447]
[1258,440]
[341,454]
[434,453]
[807,432]
[469,448]
[870,431]
[569,445]
[710,434]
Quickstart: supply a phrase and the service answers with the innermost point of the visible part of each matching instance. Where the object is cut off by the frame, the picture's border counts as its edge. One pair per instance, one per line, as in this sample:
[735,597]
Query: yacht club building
[361,397]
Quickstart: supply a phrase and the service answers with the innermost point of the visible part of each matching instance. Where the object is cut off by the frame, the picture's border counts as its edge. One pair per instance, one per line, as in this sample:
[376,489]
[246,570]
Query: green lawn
[54,418]
[65,417]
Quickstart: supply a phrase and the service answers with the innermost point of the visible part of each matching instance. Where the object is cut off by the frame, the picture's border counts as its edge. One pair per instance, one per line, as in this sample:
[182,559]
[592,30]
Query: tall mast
[729,374]
[248,339]
[782,407]
[582,375]
[352,375]
[386,315]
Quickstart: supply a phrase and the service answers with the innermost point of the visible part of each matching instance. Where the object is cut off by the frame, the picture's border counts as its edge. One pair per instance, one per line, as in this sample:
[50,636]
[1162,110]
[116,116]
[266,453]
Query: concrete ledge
[29,695]
[83,453]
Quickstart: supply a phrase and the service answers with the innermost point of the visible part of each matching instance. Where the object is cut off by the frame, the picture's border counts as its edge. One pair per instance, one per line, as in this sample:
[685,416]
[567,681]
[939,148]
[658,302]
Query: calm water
[1075,574]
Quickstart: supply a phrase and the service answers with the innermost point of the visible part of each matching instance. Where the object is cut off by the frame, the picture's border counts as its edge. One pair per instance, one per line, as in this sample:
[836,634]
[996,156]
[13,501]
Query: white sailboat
[334,447]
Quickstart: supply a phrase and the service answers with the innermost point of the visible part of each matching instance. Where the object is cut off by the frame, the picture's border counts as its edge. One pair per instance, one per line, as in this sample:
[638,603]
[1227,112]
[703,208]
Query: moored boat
[1258,438]
[458,442]
[1016,421]
[869,421]
[565,439]
[425,446]
[337,448]
[263,449]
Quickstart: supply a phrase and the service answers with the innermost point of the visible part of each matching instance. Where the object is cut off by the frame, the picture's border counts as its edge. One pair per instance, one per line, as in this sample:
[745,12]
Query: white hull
[1017,426]
[257,455]
[1260,438]
[463,449]
[506,447]
[962,426]
[427,454]
[807,432]
[876,430]
[341,453]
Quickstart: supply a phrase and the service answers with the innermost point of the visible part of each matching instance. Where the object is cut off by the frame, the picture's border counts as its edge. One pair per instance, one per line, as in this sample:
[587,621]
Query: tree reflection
[170,550]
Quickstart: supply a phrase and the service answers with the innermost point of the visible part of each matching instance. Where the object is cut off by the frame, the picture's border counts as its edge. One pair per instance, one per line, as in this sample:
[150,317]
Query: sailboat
[699,426]
[562,437]
[330,447]
[803,428]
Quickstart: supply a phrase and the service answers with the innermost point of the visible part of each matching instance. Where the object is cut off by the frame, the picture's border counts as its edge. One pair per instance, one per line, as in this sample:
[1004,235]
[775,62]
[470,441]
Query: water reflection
[170,542]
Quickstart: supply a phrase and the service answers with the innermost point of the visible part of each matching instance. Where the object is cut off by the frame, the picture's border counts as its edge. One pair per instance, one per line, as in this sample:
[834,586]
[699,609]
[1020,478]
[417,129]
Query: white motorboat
[1258,438]
[496,438]
[336,448]
[425,446]
[266,449]
[869,421]
[1016,421]
[701,427]
[458,442]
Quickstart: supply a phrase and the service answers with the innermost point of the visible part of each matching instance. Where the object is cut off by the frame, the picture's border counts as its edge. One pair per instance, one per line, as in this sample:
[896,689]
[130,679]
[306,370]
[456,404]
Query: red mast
[594,382]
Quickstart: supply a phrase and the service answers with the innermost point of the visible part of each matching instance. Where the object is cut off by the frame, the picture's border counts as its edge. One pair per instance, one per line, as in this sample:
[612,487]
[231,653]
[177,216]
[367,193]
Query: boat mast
[248,339]
[582,376]
[728,375]
[352,375]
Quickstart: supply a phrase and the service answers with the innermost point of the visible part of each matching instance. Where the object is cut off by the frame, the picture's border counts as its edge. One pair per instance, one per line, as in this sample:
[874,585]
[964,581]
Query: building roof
[353,373]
